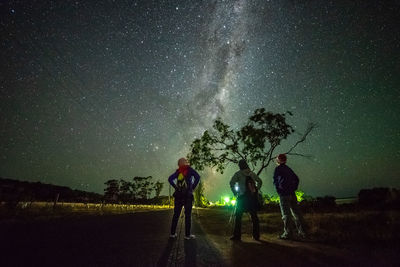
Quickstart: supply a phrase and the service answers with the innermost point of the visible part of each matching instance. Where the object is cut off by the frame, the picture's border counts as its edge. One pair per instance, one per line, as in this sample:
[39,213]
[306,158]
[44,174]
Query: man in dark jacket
[184,180]
[245,184]
[286,183]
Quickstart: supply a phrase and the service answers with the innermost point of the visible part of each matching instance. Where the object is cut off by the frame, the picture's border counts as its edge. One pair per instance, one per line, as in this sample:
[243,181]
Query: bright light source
[233,202]
[226,199]
[236,187]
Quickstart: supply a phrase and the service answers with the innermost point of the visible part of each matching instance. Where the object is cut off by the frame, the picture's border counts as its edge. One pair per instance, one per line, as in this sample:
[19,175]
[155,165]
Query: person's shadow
[165,258]
[190,247]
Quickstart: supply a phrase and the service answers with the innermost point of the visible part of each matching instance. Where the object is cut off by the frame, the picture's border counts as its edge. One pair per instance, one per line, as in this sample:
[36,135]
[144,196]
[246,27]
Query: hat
[243,164]
[282,158]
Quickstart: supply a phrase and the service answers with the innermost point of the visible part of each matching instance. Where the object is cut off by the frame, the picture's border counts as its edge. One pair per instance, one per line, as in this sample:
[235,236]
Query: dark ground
[141,239]
[138,239]
[314,251]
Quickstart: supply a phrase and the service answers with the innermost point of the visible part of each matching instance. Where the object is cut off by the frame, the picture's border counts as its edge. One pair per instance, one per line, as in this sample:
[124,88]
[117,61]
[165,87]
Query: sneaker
[235,238]
[187,237]
[173,235]
[285,236]
[302,235]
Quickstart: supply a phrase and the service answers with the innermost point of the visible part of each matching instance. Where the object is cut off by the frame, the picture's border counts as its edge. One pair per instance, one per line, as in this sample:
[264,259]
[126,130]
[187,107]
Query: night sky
[95,90]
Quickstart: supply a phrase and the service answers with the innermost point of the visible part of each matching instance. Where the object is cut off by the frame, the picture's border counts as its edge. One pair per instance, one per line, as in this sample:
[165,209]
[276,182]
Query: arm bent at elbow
[171,179]
[196,179]
[258,180]
[232,183]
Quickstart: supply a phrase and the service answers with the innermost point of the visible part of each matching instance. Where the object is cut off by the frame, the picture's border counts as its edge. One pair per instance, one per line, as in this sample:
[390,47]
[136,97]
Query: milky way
[223,47]
[97,90]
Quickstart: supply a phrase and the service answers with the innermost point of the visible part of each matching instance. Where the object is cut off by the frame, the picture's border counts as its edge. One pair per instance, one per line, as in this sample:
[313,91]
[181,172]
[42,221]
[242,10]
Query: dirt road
[138,239]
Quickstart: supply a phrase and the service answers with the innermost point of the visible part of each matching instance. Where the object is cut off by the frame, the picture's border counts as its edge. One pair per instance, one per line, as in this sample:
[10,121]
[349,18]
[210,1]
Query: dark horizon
[212,200]
[93,91]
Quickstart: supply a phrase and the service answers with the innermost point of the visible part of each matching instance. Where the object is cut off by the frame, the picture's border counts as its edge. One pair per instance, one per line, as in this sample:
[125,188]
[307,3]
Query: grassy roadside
[362,238]
[336,228]
[43,210]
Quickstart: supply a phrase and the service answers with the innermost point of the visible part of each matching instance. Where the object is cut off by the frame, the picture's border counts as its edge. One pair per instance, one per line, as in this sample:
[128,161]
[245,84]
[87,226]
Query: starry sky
[95,90]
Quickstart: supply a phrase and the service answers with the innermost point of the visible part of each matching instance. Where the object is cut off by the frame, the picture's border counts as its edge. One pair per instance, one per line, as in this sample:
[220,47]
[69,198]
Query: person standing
[184,180]
[245,185]
[286,183]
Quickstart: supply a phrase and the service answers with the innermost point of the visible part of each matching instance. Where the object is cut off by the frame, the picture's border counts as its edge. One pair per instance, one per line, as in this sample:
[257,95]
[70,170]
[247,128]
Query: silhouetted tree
[157,188]
[326,202]
[378,196]
[199,198]
[255,142]
[143,186]
[112,190]
[125,191]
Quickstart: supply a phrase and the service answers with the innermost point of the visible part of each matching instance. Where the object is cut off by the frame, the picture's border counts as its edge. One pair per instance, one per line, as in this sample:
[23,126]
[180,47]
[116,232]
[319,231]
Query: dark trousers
[186,202]
[242,206]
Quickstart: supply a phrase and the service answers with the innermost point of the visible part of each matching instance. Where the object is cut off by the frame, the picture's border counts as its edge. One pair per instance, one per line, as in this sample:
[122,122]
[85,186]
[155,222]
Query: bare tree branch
[311,126]
[301,155]
[231,160]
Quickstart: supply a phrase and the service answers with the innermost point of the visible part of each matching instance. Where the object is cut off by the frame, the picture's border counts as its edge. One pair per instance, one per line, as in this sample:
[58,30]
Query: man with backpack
[245,185]
[186,181]
[286,183]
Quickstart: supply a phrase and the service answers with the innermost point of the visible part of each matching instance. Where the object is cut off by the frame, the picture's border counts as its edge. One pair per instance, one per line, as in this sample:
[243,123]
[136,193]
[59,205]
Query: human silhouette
[184,180]
[286,183]
[245,184]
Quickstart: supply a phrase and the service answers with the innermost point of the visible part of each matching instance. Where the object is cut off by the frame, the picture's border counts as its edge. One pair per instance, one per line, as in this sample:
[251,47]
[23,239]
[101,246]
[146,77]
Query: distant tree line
[138,190]
[14,191]
[146,190]
[381,196]
[375,198]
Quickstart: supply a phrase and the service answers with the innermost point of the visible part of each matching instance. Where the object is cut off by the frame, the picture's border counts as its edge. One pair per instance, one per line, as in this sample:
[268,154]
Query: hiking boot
[235,238]
[173,235]
[187,237]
